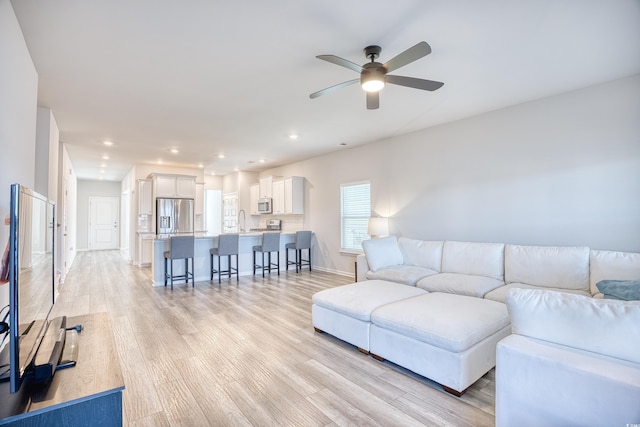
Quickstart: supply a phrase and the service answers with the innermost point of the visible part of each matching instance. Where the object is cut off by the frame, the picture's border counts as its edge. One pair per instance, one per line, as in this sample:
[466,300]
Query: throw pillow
[382,252]
[627,290]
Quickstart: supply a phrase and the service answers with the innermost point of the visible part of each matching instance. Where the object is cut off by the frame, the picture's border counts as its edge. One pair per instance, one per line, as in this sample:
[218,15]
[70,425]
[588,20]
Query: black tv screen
[31,277]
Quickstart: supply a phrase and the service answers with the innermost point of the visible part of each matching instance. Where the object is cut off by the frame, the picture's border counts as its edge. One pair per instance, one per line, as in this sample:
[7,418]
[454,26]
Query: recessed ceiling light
[107,143]
[200,165]
[221,156]
[102,165]
[174,150]
[105,157]
[159,161]
[261,160]
[213,173]
[101,171]
[236,169]
[293,136]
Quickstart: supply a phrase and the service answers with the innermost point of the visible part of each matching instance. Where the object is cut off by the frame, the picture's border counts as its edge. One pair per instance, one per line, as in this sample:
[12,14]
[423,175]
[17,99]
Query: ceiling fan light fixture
[373,84]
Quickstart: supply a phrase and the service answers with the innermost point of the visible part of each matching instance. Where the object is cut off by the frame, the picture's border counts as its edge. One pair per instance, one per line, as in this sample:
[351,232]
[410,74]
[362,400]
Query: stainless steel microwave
[264,205]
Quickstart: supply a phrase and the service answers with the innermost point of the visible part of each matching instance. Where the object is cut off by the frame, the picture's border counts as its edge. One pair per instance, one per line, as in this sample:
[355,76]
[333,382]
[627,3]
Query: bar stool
[302,241]
[227,246]
[180,247]
[270,243]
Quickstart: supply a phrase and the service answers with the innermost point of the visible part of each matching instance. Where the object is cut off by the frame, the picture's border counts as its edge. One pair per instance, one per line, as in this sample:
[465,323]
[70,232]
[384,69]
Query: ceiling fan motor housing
[372,71]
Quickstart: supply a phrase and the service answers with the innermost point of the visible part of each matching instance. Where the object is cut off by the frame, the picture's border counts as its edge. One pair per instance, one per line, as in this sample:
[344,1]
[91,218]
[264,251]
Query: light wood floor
[246,354]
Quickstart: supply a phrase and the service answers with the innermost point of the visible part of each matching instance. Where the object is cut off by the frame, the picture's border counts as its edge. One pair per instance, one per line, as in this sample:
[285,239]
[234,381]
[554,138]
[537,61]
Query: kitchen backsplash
[289,222]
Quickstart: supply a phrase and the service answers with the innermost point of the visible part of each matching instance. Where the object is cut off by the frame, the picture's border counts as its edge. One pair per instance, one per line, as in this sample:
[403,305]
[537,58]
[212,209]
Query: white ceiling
[234,78]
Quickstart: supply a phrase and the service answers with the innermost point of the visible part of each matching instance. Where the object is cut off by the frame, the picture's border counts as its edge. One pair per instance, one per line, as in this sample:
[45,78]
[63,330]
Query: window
[355,210]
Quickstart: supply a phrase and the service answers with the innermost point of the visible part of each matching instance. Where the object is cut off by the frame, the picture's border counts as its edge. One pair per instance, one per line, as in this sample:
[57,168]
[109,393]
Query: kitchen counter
[202,258]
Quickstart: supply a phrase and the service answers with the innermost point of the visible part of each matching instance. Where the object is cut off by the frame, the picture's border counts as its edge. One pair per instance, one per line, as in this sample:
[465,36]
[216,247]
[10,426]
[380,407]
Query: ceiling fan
[373,75]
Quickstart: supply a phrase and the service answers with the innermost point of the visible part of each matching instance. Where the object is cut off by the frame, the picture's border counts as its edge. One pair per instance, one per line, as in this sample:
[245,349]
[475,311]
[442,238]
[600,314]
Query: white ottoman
[345,311]
[448,338]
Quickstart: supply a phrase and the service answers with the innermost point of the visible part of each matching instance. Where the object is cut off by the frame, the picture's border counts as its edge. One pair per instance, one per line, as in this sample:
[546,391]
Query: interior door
[104,223]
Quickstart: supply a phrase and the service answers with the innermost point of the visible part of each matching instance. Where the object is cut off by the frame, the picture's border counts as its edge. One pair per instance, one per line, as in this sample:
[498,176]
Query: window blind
[355,210]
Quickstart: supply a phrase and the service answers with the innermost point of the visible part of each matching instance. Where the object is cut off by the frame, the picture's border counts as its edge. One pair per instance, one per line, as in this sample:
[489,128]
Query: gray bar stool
[180,247]
[227,246]
[302,241]
[270,243]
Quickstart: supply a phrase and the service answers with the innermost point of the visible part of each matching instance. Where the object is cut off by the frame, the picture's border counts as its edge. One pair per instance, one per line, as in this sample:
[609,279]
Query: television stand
[89,394]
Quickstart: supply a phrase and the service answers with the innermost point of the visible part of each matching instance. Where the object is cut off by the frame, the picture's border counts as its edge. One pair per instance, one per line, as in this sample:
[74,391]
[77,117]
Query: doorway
[104,223]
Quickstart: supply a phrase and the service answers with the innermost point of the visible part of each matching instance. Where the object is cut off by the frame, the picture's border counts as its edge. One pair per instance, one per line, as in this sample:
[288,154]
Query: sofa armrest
[362,267]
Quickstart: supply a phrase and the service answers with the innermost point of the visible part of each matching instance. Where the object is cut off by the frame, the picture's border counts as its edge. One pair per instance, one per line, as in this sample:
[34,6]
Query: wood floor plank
[245,353]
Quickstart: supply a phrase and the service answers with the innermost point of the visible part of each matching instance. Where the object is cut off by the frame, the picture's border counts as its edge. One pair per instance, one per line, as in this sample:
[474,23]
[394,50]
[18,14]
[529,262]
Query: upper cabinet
[277,189]
[294,195]
[288,196]
[265,186]
[145,197]
[254,194]
[176,186]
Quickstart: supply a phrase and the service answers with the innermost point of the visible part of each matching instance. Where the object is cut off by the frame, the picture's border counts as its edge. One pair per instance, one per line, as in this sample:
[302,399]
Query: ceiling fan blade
[332,88]
[413,82]
[373,100]
[408,56]
[341,61]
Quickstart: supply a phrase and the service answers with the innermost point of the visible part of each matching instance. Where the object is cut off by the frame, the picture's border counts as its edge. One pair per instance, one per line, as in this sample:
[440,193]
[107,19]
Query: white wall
[564,170]
[47,140]
[18,106]
[90,188]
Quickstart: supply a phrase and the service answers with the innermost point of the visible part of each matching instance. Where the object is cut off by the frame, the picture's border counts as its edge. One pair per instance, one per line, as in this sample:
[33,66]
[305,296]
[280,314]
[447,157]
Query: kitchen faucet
[244,220]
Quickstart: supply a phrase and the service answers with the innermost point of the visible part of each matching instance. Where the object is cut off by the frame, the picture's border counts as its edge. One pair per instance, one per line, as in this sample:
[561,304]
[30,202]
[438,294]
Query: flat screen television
[35,341]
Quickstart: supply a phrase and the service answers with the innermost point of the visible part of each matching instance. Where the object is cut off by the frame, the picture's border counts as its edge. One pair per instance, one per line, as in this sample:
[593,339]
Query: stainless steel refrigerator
[174,216]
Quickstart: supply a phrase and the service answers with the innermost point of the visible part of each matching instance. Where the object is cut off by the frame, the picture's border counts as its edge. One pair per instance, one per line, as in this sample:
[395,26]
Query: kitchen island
[202,258]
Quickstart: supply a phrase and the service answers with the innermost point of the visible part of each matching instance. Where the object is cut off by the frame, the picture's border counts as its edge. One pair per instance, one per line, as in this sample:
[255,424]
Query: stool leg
[219,268]
[171,269]
[254,263]
[309,258]
[286,258]
[211,272]
[237,268]
[278,260]
[262,264]
[165,272]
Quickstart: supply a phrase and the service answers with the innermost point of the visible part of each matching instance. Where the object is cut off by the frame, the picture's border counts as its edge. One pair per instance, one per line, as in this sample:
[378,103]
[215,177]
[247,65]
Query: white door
[104,223]
[230,212]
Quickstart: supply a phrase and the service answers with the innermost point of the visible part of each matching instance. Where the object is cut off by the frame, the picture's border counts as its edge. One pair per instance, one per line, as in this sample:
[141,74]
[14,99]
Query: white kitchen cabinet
[178,186]
[254,194]
[199,207]
[145,197]
[145,248]
[186,187]
[266,186]
[278,197]
[293,195]
[199,199]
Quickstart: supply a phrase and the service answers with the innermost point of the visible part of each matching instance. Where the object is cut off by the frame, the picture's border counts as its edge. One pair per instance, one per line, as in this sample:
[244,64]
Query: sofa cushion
[478,259]
[460,284]
[547,266]
[450,322]
[405,274]
[626,290]
[421,253]
[607,327]
[500,294]
[382,252]
[611,265]
[359,299]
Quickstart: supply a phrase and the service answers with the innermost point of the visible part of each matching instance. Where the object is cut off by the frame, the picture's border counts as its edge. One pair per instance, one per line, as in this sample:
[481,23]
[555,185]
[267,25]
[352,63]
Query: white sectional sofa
[448,331]
[571,361]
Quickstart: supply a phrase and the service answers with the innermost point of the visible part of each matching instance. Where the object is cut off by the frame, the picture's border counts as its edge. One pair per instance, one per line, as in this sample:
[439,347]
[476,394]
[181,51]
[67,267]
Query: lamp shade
[378,226]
